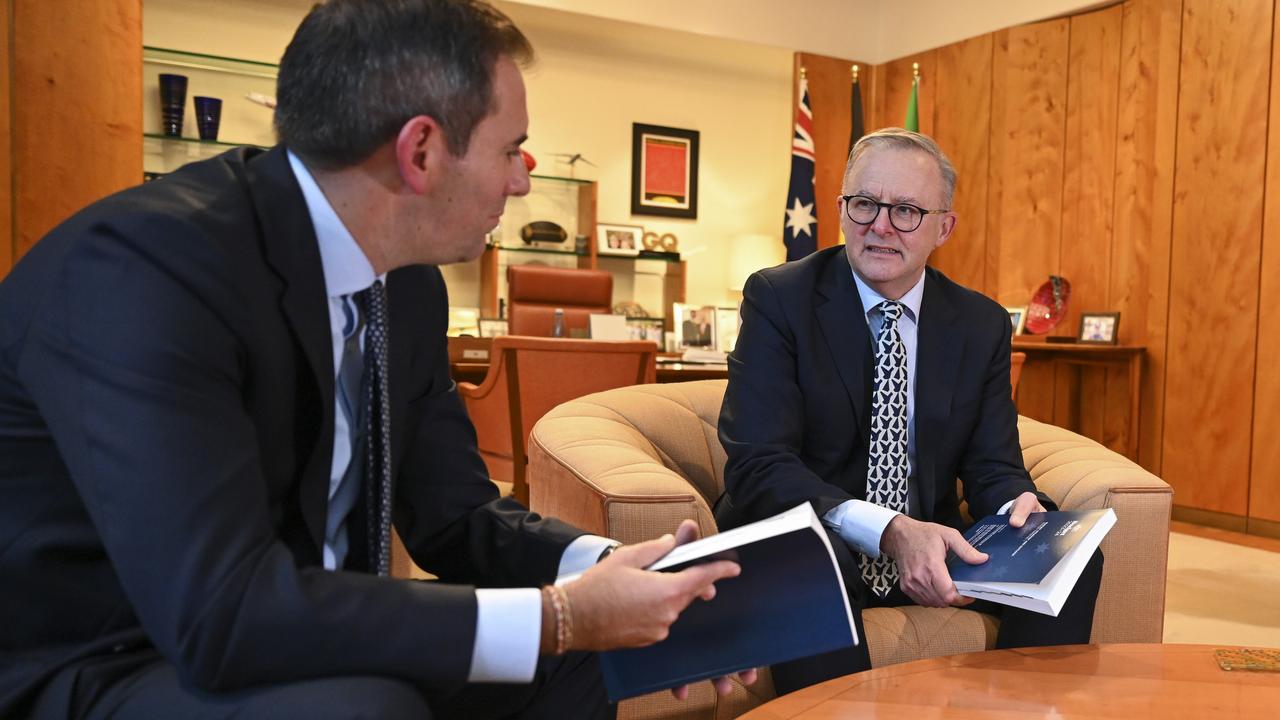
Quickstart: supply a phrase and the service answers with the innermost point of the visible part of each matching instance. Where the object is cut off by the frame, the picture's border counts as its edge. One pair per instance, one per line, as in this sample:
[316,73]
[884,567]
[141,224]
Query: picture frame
[664,171]
[693,326]
[615,239]
[640,328]
[492,327]
[728,320]
[1099,328]
[1018,316]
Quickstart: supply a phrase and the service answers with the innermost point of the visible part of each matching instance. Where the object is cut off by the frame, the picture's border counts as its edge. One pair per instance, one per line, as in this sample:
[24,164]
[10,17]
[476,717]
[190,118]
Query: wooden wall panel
[1150,47]
[829,86]
[1087,202]
[962,127]
[1264,475]
[1028,119]
[1216,251]
[893,92]
[6,152]
[76,110]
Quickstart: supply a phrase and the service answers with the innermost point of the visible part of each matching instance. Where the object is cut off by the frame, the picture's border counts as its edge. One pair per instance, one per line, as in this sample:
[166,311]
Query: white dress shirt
[508,620]
[858,522]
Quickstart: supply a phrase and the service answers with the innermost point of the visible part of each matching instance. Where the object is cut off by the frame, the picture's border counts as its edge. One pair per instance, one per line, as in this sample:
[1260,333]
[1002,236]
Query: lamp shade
[752,252]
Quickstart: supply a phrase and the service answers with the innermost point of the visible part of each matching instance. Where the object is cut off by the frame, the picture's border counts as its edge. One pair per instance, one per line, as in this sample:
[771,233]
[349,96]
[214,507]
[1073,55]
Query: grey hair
[900,139]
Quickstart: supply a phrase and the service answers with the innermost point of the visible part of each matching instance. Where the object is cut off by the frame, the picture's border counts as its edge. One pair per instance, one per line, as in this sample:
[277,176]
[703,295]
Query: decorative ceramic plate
[1048,306]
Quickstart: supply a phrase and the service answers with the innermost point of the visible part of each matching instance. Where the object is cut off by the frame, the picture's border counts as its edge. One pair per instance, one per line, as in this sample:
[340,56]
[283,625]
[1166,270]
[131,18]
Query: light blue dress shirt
[508,620]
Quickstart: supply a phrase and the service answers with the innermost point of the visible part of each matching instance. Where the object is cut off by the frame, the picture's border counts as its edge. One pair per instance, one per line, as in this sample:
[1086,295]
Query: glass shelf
[559,178]
[212,63]
[163,154]
[535,249]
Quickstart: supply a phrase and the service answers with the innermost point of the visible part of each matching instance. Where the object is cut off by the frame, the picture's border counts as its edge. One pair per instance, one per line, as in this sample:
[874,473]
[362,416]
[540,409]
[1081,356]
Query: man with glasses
[865,383]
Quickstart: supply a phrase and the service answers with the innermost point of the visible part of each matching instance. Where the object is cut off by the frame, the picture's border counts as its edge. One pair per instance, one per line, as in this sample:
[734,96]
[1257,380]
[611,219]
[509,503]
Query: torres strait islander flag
[800,232]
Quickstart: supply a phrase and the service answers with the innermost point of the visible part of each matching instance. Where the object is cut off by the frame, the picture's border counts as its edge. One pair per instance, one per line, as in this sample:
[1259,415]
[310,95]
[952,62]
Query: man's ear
[418,150]
[946,227]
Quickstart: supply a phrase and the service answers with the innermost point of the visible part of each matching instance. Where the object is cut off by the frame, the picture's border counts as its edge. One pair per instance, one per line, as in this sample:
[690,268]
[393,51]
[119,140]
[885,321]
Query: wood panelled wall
[1127,150]
[69,114]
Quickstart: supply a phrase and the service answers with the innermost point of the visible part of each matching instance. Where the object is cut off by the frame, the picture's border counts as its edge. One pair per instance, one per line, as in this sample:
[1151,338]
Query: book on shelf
[1033,567]
[788,602]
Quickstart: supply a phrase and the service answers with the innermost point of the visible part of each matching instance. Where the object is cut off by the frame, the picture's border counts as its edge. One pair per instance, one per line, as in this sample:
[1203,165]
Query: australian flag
[801,230]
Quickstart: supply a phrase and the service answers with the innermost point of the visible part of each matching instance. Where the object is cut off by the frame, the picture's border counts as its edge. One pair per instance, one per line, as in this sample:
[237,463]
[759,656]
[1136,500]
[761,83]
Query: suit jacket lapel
[939,346]
[844,326]
[291,249]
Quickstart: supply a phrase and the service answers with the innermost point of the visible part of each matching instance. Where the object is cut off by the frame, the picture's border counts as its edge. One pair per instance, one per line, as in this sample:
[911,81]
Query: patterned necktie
[377,416]
[887,456]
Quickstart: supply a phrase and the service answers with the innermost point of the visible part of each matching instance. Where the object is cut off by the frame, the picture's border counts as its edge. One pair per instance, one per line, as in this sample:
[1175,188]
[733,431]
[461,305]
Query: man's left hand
[688,532]
[1026,504]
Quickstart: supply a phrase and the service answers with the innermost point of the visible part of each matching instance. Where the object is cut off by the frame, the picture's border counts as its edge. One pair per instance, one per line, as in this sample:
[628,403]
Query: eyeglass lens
[864,210]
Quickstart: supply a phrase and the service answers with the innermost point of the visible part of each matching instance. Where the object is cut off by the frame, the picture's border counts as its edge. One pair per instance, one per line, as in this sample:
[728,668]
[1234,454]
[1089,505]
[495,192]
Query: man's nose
[881,224]
[518,182]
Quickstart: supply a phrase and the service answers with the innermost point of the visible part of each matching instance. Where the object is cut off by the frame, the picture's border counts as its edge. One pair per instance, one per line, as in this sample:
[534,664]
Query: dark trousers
[144,686]
[1018,627]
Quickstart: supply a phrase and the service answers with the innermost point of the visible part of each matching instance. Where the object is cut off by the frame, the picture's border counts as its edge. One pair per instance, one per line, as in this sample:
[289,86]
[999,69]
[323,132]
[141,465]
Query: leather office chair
[529,376]
[535,291]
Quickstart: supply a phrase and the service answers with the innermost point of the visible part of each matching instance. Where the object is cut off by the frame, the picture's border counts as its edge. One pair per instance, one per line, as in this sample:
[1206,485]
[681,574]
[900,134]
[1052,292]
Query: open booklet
[1035,566]
[789,602]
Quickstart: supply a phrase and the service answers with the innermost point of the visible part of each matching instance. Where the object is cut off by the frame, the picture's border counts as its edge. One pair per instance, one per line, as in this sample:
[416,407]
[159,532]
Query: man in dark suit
[218,389]
[865,383]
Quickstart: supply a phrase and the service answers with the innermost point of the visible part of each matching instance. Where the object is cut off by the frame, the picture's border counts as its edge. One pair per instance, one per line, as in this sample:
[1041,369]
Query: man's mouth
[881,250]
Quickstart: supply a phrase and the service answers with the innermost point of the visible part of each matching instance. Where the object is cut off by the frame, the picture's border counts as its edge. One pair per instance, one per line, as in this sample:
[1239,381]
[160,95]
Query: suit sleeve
[135,363]
[990,467]
[448,512]
[762,421]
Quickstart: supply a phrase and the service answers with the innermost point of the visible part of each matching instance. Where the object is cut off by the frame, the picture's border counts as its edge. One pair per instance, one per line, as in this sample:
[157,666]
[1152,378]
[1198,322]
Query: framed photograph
[492,327]
[664,171]
[619,239]
[694,327]
[1100,328]
[1018,316]
[727,320]
[639,328]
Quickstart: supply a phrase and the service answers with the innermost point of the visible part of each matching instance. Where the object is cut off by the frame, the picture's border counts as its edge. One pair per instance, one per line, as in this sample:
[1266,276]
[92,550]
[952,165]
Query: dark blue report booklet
[789,602]
[1034,566]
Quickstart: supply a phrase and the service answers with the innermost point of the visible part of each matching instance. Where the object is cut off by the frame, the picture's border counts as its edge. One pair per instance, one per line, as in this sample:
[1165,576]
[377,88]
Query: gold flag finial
[915,70]
[802,72]
[854,69]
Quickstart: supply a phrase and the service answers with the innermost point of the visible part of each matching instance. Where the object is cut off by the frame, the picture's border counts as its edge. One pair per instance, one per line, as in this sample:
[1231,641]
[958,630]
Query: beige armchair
[631,463]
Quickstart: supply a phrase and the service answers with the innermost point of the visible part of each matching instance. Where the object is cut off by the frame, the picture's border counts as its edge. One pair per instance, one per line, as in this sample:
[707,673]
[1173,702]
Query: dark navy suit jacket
[166,431]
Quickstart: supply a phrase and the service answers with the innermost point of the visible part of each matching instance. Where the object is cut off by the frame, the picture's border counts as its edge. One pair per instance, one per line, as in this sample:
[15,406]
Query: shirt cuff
[1006,507]
[508,629]
[582,553]
[860,524]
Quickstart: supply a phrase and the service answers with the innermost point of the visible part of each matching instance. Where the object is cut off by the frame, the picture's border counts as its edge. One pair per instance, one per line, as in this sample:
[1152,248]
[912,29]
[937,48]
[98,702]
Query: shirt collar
[346,269]
[871,298]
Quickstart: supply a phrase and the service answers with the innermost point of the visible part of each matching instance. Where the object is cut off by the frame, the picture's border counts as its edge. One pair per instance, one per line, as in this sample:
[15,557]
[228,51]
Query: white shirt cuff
[860,524]
[582,553]
[1006,507]
[508,629]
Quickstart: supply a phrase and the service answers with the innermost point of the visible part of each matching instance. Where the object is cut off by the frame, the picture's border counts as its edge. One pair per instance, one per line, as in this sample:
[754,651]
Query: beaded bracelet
[564,617]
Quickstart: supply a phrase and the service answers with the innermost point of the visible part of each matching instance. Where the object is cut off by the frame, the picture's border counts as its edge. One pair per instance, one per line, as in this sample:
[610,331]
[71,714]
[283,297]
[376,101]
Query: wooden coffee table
[1078,681]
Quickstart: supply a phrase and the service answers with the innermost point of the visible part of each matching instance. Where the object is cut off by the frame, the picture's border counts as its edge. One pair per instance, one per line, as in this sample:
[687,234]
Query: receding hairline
[935,160]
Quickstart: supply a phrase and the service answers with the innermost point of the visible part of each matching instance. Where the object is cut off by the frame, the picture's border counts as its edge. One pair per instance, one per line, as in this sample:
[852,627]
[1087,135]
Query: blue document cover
[1025,554]
[789,602]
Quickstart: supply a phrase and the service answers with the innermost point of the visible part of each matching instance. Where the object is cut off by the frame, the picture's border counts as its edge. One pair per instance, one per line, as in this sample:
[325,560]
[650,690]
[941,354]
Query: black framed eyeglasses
[904,217]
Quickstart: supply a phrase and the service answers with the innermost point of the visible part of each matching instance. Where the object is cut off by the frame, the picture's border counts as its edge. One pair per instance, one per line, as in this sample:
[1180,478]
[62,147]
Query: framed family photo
[694,327]
[664,171]
[1018,316]
[1099,328]
[612,239]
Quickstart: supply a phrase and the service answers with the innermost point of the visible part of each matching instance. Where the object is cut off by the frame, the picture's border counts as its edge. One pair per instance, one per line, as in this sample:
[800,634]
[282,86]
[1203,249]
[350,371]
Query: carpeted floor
[1221,593]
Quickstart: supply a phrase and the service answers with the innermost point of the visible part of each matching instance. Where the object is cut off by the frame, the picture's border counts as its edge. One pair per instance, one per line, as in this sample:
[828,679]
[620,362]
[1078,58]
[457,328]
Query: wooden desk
[1078,681]
[465,368]
[1087,355]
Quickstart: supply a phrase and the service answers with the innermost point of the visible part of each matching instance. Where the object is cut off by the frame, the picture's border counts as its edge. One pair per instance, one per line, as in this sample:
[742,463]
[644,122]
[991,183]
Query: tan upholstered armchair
[632,463]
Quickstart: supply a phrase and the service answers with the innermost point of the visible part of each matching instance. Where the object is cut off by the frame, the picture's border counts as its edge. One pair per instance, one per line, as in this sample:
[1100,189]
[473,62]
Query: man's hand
[1026,504]
[920,550]
[617,604]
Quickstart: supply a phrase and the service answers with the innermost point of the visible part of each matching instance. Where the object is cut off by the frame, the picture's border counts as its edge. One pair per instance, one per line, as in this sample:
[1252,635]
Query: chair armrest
[1079,474]
[609,480]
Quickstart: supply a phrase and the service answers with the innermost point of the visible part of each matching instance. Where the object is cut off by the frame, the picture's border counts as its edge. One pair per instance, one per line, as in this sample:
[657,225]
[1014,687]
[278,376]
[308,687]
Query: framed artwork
[1018,316]
[492,327]
[694,327]
[727,320]
[1100,328]
[619,239]
[664,171]
[646,329]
